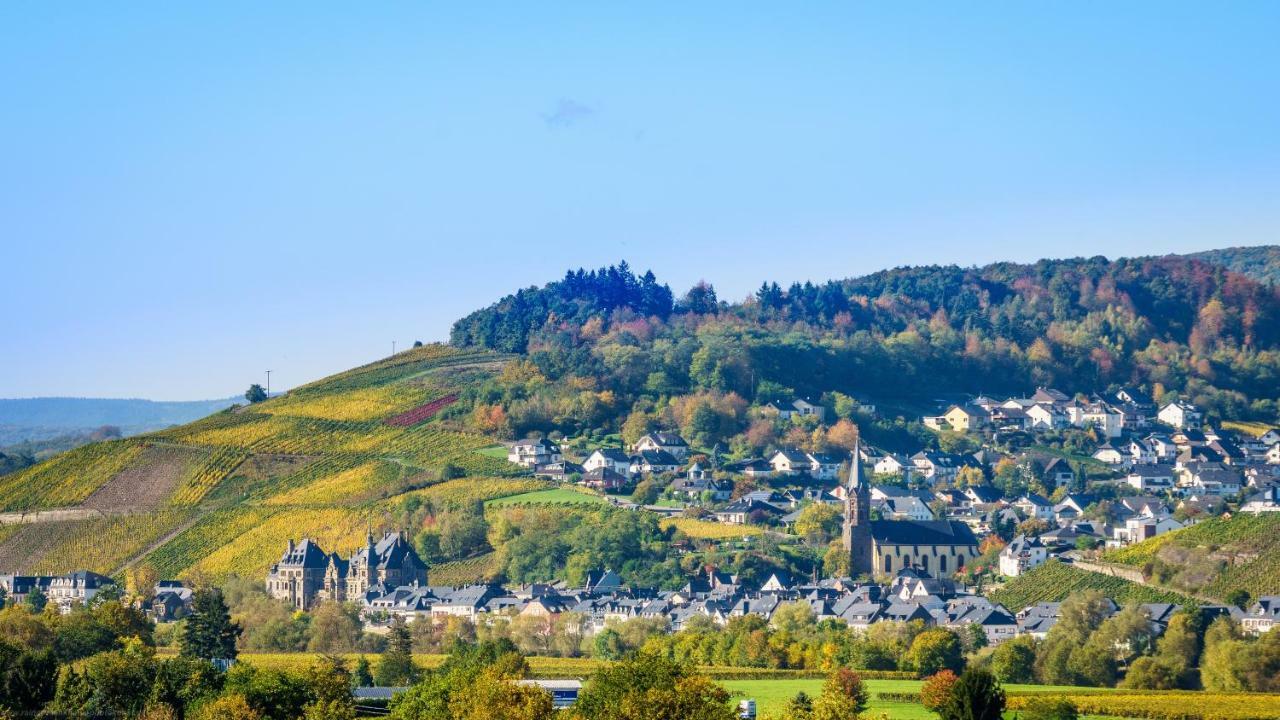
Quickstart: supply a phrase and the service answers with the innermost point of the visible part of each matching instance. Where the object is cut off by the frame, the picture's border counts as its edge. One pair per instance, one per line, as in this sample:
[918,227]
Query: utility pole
[268,384]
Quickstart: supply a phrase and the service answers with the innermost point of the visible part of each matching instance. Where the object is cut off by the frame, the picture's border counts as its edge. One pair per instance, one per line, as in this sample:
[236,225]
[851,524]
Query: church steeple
[857,516]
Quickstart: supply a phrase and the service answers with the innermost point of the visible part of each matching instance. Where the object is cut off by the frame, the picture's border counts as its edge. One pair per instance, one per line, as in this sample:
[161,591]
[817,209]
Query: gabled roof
[655,457]
[1035,499]
[666,439]
[612,453]
[922,532]
[792,455]
[984,493]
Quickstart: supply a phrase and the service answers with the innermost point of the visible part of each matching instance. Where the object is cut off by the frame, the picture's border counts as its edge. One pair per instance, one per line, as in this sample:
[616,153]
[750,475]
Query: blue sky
[189,196]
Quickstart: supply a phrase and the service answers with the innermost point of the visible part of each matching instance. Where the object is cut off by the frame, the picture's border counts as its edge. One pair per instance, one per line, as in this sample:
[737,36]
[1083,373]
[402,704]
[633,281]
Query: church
[883,547]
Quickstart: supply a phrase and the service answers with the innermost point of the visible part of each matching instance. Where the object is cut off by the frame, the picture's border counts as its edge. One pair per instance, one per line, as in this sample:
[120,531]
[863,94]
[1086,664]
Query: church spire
[855,465]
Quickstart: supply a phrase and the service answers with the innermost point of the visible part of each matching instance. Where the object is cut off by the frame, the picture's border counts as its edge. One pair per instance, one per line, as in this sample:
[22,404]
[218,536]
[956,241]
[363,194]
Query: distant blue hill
[81,413]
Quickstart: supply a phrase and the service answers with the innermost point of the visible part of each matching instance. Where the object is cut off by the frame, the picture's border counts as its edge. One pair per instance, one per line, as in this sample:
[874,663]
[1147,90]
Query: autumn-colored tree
[970,476]
[937,689]
[844,434]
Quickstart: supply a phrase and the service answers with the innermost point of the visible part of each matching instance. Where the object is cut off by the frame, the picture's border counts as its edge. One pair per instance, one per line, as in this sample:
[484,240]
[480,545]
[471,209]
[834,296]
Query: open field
[554,496]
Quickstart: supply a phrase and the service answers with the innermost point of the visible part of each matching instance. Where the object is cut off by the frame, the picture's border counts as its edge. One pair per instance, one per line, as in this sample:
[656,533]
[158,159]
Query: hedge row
[1168,705]
[898,697]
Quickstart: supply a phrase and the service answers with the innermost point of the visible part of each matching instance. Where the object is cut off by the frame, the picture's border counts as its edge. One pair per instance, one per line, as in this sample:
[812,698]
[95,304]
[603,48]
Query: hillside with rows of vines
[329,460]
[1219,557]
[1056,581]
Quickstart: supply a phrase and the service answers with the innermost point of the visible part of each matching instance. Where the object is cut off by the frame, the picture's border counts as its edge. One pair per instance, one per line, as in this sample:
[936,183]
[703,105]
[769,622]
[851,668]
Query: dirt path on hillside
[156,545]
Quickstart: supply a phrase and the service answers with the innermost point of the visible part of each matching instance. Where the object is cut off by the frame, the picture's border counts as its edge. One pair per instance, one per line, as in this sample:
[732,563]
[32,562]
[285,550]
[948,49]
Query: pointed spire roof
[855,465]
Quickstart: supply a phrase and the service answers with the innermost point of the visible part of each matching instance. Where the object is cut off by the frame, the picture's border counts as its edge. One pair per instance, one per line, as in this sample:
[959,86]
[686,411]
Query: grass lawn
[772,696]
[554,496]
[494,451]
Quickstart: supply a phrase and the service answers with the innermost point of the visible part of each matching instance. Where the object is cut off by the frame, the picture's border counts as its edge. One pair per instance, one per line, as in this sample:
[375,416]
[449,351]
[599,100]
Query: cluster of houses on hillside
[1166,451]
[604,598]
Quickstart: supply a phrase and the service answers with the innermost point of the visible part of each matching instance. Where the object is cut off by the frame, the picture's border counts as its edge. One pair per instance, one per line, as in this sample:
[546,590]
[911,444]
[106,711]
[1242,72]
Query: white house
[1108,420]
[824,466]
[1043,416]
[1150,477]
[612,458]
[1263,616]
[1183,416]
[1022,554]
[889,465]
[1142,527]
[1108,454]
[789,462]
[1035,507]
[533,452]
[667,442]
[1266,501]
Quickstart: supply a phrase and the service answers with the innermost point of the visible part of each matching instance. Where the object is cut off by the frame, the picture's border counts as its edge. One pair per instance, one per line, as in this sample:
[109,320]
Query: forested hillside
[1262,262]
[606,348]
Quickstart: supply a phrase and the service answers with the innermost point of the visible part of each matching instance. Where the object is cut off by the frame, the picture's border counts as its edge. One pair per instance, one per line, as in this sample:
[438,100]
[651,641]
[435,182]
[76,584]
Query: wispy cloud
[567,112]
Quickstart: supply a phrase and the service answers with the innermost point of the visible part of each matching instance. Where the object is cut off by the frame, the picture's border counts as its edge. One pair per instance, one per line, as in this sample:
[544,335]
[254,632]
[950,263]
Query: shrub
[1048,708]
[975,696]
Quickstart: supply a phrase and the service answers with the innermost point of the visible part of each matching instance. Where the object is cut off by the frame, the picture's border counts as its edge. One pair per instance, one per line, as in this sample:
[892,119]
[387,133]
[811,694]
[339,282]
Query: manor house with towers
[883,547]
[306,574]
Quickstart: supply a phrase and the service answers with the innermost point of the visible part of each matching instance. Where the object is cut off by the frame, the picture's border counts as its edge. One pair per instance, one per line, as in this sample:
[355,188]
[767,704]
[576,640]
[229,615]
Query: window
[942,564]
[888,563]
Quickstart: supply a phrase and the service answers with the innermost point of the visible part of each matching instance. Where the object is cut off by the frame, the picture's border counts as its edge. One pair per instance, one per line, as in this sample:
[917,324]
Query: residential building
[613,458]
[1183,416]
[667,442]
[1022,554]
[532,452]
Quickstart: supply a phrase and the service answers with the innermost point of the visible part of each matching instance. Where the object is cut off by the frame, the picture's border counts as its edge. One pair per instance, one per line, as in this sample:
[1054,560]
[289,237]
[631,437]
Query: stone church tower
[857,518]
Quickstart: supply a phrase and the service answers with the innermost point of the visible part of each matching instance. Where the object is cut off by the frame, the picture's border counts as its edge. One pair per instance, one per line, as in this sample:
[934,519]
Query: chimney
[290,544]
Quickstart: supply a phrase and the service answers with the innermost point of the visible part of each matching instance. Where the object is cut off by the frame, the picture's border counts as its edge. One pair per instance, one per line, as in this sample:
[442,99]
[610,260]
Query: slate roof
[922,532]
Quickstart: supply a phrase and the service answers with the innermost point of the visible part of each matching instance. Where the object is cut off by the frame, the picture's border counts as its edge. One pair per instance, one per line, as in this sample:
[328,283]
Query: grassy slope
[319,462]
[1249,545]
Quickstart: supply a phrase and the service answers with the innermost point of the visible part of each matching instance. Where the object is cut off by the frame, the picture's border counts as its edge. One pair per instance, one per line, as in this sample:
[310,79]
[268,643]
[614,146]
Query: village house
[789,462]
[1034,507]
[890,464]
[963,418]
[1262,616]
[1042,416]
[1107,453]
[1183,416]
[825,466]
[1150,477]
[533,452]
[666,442]
[613,458]
[653,462]
[797,408]
[604,478]
[1022,554]
[1266,501]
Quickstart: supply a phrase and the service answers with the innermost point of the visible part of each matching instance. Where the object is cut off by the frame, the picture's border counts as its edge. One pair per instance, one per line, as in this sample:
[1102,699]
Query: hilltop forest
[606,347]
